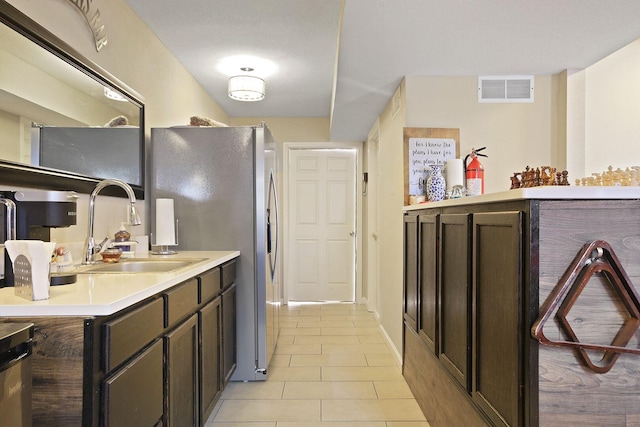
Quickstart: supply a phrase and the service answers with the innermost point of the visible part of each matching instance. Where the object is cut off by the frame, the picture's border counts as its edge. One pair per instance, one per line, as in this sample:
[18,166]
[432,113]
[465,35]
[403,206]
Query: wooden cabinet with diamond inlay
[521,250]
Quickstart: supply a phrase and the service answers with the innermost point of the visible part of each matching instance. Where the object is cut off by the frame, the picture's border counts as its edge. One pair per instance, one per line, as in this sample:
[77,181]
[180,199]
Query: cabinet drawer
[127,334]
[133,396]
[180,301]
[228,273]
[209,284]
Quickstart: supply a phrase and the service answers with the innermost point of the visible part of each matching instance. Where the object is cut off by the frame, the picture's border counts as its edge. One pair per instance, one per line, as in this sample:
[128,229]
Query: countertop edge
[12,306]
[543,193]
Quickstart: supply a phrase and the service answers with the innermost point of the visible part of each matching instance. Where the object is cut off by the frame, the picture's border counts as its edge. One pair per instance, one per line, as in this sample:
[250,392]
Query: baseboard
[397,354]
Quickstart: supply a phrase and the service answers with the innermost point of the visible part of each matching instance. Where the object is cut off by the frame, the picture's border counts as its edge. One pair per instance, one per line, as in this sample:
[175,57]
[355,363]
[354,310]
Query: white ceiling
[365,47]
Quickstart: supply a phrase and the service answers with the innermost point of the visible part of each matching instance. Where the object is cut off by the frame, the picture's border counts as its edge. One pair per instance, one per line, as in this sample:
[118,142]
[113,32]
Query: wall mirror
[65,123]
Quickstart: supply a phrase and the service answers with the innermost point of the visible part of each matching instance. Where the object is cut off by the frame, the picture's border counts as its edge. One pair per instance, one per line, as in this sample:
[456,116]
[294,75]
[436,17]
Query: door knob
[353,233]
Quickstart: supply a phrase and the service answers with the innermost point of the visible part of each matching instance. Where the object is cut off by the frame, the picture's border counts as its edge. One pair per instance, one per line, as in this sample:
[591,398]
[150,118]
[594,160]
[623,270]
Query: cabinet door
[428,280]
[497,313]
[411,271]
[181,398]
[210,317]
[132,396]
[455,296]
[228,333]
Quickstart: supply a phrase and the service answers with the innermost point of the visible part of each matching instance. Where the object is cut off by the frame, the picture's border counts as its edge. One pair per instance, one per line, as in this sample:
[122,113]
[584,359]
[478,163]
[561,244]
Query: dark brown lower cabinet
[210,317]
[455,296]
[161,362]
[181,374]
[133,395]
[499,266]
[497,310]
[469,277]
[229,359]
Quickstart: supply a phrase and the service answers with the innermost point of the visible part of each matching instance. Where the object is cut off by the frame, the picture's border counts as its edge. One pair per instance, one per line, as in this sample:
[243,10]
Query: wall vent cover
[505,89]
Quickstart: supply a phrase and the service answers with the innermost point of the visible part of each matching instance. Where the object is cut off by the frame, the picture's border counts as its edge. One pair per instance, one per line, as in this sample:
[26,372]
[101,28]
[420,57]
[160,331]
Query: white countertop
[546,193]
[101,294]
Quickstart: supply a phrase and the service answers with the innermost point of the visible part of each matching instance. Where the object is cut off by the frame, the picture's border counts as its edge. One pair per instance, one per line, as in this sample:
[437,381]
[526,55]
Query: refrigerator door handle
[268,230]
[274,191]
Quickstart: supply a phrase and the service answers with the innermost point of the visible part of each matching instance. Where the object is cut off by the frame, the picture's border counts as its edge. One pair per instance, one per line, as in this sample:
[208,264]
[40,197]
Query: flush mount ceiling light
[112,94]
[245,87]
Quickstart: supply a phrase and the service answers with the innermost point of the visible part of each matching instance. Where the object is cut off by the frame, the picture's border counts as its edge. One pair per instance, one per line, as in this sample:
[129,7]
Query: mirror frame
[22,175]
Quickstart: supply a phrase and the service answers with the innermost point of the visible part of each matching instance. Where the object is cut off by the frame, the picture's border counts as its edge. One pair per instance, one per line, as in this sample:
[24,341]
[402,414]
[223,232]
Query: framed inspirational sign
[424,147]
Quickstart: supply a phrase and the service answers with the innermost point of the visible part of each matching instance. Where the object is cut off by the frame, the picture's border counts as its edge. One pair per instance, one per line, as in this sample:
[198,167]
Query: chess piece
[515,181]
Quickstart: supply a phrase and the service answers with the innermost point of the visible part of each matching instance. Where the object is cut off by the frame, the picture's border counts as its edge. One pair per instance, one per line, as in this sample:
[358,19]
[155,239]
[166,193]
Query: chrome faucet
[90,247]
[10,230]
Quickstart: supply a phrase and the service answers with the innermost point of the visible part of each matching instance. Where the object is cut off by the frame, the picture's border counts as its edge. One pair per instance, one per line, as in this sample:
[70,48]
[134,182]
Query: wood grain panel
[566,226]
[567,388]
[584,420]
[57,367]
[443,402]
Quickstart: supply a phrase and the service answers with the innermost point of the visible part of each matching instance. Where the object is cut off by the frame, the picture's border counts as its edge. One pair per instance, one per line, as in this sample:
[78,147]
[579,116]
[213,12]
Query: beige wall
[612,111]
[516,135]
[290,129]
[582,120]
[573,81]
[391,200]
[10,129]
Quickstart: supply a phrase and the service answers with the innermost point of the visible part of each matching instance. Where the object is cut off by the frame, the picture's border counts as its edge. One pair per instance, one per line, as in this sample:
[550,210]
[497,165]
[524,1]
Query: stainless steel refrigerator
[223,182]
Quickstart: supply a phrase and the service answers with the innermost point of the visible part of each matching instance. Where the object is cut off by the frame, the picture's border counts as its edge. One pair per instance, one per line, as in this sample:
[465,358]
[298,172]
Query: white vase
[436,185]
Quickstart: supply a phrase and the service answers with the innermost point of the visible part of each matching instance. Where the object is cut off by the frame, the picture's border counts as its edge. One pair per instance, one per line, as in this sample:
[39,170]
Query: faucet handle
[101,245]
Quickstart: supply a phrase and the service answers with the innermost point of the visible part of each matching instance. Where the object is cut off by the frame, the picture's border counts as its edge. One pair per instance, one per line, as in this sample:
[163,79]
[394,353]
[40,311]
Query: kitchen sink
[140,266]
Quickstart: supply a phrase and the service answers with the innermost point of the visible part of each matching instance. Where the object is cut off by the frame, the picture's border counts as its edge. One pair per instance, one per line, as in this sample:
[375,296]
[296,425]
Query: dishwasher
[15,374]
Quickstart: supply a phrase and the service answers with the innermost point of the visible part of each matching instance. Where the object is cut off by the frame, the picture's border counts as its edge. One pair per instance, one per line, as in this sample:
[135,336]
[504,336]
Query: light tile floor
[331,368]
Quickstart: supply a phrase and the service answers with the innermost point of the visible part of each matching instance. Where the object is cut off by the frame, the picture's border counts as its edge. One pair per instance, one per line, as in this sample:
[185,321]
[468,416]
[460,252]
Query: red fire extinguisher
[474,173]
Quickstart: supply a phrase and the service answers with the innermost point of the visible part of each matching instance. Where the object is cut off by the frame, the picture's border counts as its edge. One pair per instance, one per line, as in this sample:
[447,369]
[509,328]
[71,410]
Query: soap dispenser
[123,236]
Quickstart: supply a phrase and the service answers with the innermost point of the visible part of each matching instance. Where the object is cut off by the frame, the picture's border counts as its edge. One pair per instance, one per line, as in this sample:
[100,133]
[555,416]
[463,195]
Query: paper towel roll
[454,173]
[165,223]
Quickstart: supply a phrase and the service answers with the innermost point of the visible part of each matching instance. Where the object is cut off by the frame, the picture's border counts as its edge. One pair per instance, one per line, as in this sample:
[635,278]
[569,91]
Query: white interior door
[322,224]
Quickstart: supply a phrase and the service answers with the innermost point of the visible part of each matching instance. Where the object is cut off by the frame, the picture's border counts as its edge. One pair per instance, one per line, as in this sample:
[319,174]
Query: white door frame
[373,221]
[287,147]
